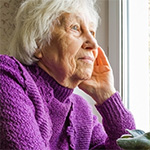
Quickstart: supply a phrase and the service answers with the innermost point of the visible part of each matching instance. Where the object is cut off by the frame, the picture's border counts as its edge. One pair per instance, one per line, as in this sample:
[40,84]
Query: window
[130,56]
[136,63]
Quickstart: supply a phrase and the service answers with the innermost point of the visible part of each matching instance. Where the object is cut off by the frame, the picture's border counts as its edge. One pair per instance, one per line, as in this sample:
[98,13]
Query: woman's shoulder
[8,62]
[10,67]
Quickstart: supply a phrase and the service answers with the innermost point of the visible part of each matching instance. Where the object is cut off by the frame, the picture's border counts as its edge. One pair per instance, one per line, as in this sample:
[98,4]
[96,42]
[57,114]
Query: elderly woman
[55,50]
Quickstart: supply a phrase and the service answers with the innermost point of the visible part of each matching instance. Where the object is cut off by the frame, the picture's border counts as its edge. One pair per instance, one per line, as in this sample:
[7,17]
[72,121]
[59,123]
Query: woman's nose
[90,43]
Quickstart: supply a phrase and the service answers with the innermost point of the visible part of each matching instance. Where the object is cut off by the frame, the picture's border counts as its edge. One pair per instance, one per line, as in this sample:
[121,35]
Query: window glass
[136,60]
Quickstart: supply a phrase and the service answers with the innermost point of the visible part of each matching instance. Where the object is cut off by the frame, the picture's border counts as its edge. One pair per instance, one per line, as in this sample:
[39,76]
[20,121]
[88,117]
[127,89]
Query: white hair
[35,21]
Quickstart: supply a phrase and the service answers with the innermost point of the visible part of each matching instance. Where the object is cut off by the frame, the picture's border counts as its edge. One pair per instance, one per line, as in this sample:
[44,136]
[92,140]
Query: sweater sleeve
[116,119]
[18,126]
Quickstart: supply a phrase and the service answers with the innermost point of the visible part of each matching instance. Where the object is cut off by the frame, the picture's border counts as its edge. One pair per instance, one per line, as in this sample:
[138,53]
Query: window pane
[136,72]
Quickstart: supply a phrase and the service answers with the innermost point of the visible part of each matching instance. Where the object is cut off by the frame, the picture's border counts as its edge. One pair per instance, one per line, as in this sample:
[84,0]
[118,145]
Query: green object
[136,139]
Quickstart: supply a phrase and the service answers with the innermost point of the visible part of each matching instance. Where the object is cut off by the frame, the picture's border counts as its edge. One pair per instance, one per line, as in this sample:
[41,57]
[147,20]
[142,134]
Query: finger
[102,58]
[98,62]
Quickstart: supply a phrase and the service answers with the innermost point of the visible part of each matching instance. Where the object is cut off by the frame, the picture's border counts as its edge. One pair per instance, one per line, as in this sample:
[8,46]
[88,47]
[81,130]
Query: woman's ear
[38,54]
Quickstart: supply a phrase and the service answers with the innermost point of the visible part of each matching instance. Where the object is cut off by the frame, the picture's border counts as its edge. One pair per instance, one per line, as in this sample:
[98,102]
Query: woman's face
[70,56]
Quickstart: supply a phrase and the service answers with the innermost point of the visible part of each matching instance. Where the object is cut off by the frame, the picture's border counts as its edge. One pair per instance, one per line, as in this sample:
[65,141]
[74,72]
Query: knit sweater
[37,113]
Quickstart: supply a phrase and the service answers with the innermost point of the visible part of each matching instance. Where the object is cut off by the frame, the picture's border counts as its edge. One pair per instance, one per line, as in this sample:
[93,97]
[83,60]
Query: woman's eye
[75,27]
[93,33]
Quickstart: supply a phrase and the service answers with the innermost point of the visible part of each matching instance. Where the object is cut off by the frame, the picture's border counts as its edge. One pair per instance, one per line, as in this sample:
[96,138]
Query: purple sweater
[37,113]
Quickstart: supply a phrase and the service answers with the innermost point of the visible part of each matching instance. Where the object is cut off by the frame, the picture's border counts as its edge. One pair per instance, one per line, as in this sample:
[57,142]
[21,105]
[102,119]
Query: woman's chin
[85,75]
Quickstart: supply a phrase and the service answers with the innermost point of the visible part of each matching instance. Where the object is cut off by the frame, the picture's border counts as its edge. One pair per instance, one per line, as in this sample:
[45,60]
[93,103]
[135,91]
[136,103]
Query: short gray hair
[34,23]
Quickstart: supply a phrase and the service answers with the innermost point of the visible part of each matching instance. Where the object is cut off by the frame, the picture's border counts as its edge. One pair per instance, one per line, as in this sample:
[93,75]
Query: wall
[102,32]
[8,9]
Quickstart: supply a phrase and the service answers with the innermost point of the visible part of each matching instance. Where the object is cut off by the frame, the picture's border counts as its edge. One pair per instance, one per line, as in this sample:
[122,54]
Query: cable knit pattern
[36,113]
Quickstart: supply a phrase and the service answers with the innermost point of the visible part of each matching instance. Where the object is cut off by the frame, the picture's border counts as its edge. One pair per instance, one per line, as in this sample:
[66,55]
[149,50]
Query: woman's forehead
[78,17]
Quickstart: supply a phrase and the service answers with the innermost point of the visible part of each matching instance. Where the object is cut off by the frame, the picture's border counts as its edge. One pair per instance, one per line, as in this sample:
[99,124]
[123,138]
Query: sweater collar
[60,92]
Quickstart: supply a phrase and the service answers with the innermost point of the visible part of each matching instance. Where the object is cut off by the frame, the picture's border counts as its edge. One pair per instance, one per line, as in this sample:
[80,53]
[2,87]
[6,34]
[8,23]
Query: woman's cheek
[72,65]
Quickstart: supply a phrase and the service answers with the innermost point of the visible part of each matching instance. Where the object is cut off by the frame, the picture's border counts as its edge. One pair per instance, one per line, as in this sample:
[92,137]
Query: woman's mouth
[87,59]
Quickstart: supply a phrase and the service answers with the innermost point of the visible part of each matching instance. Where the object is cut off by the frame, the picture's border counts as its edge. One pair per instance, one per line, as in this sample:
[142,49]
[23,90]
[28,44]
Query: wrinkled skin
[73,57]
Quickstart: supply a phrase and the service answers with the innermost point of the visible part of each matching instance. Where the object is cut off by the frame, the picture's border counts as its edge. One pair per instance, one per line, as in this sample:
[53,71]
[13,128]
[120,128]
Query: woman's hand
[101,85]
